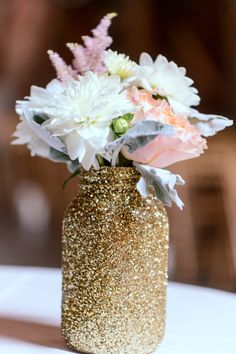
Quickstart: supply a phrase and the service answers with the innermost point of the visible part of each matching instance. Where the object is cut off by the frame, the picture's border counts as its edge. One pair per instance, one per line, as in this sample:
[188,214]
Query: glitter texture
[115,246]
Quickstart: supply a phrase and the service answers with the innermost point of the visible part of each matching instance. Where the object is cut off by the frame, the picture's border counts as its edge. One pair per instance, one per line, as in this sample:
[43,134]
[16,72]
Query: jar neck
[114,178]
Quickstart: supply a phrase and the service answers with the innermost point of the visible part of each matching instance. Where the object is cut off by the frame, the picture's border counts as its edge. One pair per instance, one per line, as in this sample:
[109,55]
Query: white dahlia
[168,80]
[81,111]
[119,64]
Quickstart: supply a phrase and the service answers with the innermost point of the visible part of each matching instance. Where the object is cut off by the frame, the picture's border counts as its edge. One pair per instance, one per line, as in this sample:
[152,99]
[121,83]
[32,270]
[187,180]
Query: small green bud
[120,125]
[128,117]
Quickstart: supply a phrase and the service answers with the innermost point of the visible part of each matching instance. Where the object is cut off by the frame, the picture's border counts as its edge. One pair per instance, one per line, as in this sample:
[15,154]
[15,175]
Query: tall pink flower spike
[64,71]
[90,56]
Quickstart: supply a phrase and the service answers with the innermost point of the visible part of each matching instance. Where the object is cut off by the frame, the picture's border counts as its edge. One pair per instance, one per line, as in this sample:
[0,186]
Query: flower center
[85,122]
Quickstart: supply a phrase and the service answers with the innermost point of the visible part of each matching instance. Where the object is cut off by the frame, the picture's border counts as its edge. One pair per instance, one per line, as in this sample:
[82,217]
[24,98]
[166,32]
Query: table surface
[199,320]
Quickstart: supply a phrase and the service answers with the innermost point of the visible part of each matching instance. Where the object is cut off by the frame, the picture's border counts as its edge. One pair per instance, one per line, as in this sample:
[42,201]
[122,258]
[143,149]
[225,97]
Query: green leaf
[73,165]
[39,120]
[209,124]
[162,182]
[58,156]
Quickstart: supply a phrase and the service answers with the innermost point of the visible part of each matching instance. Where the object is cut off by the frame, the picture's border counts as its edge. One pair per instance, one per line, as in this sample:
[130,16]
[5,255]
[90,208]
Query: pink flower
[163,151]
[90,56]
[87,57]
[64,72]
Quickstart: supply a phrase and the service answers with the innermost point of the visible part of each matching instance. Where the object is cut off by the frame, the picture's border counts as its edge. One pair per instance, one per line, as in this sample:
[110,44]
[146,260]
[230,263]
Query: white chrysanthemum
[119,64]
[168,80]
[81,111]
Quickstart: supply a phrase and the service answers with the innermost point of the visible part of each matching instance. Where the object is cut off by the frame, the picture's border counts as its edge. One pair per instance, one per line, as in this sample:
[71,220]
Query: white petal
[89,158]
[178,107]
[22,134]
[161,60]
[38,94]
[94,132]
[55,87]
[75,146]
[145,60]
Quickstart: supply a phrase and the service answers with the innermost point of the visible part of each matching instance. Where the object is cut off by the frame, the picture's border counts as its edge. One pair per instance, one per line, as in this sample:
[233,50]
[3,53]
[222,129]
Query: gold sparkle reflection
[115,246]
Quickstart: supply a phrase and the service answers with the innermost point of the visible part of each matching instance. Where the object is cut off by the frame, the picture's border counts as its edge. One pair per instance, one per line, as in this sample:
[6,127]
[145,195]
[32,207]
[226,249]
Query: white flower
[40,97]
[119,64]
[168,80]
[81,111]
[25,134]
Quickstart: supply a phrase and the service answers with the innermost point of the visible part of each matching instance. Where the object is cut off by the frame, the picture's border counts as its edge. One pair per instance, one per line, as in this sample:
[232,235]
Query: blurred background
[197,34]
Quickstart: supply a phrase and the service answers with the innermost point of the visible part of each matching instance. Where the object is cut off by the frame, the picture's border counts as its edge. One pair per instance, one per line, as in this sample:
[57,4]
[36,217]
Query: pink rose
[163,151]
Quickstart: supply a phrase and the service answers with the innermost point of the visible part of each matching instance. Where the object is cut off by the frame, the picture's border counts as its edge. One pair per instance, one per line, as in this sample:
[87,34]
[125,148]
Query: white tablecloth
[199,320]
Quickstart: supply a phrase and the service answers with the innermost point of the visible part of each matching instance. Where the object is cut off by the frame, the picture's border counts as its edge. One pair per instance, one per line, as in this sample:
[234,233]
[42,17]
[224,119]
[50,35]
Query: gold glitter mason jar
[115,245]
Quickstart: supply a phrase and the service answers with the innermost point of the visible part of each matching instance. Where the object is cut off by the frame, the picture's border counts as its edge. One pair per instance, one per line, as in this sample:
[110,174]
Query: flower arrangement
[105,109]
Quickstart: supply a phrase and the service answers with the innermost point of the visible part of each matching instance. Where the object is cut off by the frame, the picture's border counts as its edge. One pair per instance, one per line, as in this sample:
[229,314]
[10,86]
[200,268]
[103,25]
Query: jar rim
[121,173]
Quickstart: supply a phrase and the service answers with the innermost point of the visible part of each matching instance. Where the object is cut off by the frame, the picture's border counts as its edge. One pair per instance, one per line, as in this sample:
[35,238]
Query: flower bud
[120,125]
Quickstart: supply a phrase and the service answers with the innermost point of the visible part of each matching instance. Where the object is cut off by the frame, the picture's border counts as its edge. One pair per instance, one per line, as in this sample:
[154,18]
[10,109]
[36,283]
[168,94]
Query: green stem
[74,174]
[100,160]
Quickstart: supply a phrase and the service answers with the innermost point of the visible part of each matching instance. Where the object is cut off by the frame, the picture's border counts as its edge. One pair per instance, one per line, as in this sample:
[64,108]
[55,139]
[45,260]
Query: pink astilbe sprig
[90,55]
[64,71]
[80,61]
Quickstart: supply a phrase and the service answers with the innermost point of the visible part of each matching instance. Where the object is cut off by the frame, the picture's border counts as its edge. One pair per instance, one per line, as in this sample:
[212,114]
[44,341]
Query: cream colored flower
[119,64]
[167,80]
